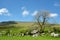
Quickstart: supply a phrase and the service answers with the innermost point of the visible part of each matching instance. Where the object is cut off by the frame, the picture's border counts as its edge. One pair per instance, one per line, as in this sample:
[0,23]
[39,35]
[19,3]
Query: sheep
[52,34]
[55,35]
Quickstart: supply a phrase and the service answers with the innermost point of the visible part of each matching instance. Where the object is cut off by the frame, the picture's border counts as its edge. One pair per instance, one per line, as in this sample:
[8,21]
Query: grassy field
[23,27]
[28,38]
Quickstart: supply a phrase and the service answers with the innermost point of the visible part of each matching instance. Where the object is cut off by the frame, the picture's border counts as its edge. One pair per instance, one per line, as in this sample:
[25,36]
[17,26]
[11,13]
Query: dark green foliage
[7,23]
[56,29]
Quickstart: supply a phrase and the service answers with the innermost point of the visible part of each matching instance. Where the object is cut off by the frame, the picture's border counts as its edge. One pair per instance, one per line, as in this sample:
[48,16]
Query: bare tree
[41,19]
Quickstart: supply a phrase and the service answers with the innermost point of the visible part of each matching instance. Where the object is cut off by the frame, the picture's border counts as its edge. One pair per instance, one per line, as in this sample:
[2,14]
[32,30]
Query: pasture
[24,27]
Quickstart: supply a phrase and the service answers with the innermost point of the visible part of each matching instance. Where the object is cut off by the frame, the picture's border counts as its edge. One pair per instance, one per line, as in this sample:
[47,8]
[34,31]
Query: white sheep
[54,34]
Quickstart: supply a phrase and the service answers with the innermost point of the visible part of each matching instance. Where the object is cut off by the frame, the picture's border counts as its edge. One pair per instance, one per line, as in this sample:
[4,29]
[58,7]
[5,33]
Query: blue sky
[23,10]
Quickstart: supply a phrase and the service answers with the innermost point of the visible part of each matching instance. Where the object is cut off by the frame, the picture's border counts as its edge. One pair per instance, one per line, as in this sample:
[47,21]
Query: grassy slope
[23,26]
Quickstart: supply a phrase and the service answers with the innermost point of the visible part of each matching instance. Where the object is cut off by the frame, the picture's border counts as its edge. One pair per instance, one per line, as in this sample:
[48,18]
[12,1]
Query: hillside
[9,23]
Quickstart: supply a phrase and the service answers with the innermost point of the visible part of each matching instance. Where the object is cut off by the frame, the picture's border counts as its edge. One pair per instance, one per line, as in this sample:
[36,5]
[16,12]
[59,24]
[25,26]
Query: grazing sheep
[55,35]
[52,34]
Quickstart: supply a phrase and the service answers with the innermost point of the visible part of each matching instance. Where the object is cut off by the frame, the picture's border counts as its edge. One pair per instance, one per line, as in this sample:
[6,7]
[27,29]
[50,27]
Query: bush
[56,29]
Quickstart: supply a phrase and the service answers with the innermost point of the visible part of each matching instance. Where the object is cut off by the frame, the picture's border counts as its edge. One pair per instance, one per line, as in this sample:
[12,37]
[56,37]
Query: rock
[22,34]
[27,33]
[49,31]
[43,34]
[35,35]
[0,34]
[9,35]
[16,34]
[34,31]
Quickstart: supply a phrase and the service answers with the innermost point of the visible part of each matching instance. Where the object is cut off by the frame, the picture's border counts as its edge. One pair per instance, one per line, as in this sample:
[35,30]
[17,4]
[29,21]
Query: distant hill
[7,23]
[18,24]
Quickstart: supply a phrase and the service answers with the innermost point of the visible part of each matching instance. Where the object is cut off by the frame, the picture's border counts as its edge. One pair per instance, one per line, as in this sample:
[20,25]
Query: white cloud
[4,11]
[49,15]
[56,4]
[34,13]
[53,14]
[25,13]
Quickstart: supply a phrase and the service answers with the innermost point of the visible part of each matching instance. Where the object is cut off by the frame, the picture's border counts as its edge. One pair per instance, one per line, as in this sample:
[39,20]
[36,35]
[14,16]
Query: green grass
[28,38]
[23,27]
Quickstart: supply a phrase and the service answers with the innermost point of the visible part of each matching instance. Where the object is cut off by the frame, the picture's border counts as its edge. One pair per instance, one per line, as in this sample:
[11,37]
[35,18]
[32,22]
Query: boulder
[22,34]
[43,34]
[34,31]
[35,35]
